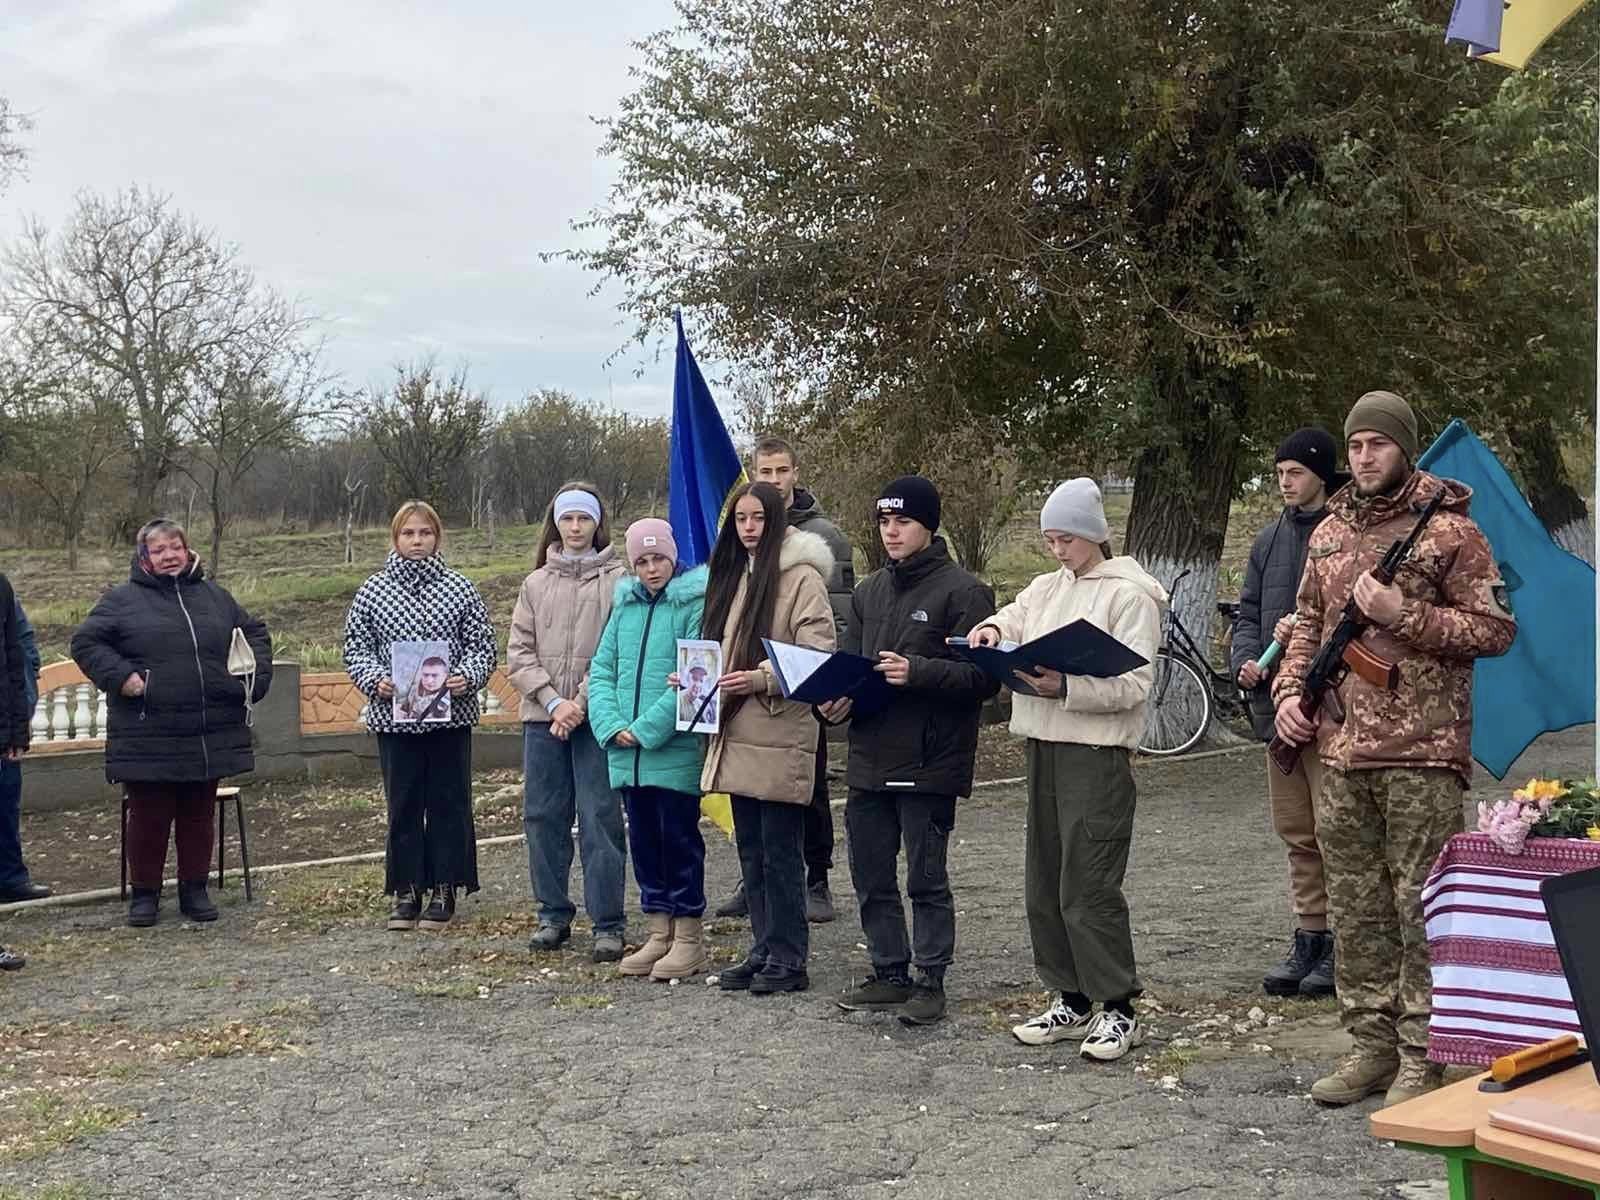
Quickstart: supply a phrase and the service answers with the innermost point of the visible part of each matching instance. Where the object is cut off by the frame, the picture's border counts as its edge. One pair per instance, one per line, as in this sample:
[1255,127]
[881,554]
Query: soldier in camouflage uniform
[1395,767]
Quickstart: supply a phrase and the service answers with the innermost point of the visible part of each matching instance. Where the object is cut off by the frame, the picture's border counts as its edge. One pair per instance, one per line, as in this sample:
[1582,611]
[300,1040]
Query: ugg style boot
[688,954]
[194,902]
[145,907]
[658,940]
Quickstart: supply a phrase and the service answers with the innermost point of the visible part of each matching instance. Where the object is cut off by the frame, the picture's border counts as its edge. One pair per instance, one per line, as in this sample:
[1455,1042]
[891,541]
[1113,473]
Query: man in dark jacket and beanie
[774,461]
[1307,473]
[177,721]
[911,759]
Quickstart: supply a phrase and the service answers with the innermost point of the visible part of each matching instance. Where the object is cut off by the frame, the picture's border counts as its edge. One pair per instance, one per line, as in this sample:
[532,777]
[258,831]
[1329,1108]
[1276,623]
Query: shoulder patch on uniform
[1500,589]
[1323,549]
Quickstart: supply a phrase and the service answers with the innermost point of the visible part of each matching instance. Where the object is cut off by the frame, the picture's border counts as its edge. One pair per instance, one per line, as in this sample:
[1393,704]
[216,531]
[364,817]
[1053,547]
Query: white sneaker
[1058,1023]
[1112,1036]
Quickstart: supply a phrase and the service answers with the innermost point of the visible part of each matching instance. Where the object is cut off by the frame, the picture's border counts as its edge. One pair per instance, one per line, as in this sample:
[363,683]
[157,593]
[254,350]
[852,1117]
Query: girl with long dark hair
[766,581]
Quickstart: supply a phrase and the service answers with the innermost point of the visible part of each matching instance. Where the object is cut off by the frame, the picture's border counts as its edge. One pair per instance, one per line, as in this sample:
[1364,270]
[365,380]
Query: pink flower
[1507,823]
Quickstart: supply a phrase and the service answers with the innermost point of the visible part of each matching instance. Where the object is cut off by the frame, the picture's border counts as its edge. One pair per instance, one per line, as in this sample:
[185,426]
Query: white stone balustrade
[70,712]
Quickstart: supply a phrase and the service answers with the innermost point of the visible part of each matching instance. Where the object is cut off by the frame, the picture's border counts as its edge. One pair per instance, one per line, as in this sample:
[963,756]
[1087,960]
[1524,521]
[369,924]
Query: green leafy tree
[1165,232]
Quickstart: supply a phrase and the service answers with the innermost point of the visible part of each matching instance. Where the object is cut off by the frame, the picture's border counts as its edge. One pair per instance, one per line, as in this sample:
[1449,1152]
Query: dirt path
[295,1049]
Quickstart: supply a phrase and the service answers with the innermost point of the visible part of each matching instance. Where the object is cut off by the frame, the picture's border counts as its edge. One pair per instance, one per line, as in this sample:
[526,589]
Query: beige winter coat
[561,612]
[1119,597]
[768,749]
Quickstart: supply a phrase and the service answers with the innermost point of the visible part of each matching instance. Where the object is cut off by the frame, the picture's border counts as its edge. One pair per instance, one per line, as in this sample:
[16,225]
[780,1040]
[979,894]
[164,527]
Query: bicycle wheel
[1179,708]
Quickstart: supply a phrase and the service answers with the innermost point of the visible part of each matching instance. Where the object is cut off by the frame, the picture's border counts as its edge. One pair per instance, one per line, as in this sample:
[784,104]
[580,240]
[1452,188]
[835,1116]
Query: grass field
[300,585]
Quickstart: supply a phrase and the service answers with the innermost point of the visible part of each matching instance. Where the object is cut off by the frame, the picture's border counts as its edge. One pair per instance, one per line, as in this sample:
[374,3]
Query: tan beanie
[1388,414]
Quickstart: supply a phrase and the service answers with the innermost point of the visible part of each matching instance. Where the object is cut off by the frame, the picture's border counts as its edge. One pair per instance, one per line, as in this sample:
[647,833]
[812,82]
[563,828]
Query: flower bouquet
[1560,808]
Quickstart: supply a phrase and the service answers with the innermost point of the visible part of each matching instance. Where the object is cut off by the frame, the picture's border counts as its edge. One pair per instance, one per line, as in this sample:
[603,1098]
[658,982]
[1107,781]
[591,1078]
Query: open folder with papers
[1080,648]
[816,677]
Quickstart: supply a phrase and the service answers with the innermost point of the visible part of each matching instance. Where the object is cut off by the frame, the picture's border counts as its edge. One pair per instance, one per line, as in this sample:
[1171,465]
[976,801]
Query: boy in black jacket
[910,760]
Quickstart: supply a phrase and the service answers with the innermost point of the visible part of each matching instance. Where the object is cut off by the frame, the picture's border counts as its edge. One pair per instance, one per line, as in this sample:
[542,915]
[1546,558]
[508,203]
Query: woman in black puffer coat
[157,646]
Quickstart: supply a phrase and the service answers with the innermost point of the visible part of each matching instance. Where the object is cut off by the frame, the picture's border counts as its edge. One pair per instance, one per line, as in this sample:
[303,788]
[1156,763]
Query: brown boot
[1417,1077]
[1356,1077]
[688,956]
[654,949]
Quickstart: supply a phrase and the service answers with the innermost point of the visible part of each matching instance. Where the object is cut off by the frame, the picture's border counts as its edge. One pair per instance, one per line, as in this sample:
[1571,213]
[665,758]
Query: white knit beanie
[1075,508]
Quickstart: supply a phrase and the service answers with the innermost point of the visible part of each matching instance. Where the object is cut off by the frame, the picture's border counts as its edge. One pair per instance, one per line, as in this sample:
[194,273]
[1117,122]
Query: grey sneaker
[607,947]
[549,937]
[876,995]
[819,903]
[926,1004]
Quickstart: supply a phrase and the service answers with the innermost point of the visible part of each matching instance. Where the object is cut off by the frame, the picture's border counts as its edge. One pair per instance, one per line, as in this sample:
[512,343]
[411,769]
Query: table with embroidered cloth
[1497,981]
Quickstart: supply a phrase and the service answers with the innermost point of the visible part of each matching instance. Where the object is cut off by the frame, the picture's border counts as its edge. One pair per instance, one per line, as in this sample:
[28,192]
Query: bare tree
[253,394]
[13,155]
[145,299]
[427,427]
[62,438]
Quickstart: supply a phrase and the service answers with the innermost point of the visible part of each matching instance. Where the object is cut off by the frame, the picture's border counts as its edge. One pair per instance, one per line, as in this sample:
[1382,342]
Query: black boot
[735,905]
[1319,981]
[193,901]
[441,907]
[407,908]
[1284,979]
[145,907]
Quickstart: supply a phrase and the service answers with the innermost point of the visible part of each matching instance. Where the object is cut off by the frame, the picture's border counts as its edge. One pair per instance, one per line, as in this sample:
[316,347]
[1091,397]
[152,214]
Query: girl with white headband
[561,611]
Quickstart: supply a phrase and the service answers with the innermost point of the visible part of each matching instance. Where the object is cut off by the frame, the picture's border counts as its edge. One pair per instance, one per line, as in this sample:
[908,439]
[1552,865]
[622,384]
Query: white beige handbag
[242,663]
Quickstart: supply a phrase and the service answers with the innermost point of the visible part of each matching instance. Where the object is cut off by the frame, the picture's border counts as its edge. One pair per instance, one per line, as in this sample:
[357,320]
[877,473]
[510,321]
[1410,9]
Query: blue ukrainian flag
[703,467]
[1545,681]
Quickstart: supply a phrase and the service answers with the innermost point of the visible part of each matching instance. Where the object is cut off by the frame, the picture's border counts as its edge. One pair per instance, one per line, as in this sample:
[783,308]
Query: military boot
[1416,1077]
[1284,979]
[1358,1076]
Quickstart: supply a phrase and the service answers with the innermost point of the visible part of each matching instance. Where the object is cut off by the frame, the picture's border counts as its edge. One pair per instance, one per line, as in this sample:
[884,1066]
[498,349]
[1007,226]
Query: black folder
[1081,648]
[816,677]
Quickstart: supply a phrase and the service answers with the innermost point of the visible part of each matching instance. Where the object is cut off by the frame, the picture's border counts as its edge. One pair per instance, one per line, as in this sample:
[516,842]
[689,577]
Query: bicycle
[1188,691]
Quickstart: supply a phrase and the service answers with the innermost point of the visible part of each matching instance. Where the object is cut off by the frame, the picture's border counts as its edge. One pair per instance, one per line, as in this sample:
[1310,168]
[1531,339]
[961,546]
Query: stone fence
[308,727]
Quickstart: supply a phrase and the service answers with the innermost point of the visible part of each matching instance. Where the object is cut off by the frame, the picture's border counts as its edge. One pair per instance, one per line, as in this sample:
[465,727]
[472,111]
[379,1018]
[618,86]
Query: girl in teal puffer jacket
[633,711]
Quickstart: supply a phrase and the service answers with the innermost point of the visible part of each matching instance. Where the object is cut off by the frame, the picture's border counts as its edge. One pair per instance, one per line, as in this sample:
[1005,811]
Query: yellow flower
[1546,789]
[1594,832]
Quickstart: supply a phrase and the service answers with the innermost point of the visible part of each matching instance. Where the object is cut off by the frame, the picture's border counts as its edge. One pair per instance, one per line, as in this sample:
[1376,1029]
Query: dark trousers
[769,835]
[819,819]
[186,811]
[1080,827]
[428,780]
[669,855]
[13,871]
[878,823]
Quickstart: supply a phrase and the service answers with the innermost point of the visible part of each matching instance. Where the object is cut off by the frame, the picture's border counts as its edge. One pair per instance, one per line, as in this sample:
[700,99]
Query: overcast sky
[397,165]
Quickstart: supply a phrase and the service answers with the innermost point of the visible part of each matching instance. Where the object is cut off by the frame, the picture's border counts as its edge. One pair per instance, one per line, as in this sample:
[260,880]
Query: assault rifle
[1343,651]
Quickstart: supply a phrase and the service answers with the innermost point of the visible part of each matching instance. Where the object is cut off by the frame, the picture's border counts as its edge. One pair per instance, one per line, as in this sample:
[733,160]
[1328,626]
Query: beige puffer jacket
[768,749]
[560,614]
[1121,598]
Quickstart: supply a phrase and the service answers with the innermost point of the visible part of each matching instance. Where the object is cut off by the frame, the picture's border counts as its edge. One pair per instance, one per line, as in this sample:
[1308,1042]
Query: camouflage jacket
[1454,611]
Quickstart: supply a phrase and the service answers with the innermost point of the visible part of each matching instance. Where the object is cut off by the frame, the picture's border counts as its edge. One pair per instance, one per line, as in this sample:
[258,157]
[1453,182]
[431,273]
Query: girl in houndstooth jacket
[427,765]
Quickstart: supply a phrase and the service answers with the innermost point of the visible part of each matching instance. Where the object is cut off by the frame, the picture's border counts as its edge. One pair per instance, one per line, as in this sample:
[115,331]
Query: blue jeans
[560,780]
[771,839]
[669,855]
[13,874]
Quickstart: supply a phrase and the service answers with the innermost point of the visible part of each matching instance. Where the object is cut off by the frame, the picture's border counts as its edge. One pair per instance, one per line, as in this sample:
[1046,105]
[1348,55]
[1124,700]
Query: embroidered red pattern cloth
[1497,981]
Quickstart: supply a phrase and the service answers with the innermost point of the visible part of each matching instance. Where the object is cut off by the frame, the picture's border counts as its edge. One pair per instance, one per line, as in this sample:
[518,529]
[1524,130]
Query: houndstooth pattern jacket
[417,600]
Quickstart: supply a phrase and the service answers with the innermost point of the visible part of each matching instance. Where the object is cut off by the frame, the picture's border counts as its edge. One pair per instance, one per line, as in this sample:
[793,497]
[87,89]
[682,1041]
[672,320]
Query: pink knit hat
[651,535]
